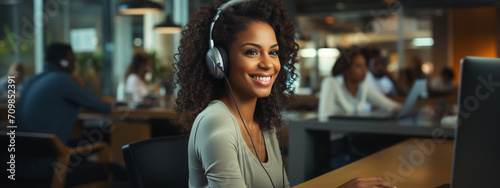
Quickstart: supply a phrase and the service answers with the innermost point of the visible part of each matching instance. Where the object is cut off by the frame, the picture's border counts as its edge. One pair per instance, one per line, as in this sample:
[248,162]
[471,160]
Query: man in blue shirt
[51,100]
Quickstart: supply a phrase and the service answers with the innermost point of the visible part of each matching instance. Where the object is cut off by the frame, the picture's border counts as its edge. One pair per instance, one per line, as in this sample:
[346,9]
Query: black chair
[158,162]
[42,160]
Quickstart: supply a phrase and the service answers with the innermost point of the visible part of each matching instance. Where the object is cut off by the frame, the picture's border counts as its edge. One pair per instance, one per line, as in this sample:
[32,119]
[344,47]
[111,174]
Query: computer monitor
[415,91]
[476,161]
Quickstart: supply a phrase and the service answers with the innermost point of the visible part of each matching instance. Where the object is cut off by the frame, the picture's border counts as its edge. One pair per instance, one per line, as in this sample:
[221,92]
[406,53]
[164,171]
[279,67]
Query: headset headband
[219,10]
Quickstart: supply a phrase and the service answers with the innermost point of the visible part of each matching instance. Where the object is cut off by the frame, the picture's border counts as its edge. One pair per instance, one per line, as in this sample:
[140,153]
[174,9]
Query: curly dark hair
[198,87]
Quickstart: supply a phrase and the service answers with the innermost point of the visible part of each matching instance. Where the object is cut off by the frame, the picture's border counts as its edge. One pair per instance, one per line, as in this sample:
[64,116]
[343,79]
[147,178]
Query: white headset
[64,63]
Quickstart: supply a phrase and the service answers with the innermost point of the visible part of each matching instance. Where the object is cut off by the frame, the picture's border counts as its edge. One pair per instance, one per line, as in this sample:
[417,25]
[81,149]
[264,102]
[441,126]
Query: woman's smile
[262,80]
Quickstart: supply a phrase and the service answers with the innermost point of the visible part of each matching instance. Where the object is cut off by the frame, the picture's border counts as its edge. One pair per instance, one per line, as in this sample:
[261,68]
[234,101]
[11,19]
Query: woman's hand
[367,182]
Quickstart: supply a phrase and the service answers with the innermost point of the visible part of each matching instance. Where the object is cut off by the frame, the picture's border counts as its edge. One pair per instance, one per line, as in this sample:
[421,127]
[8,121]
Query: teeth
[265,79]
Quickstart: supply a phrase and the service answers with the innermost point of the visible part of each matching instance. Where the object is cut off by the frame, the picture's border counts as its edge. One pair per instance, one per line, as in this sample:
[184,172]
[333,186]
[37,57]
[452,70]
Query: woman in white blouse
[136,85]
[347,91]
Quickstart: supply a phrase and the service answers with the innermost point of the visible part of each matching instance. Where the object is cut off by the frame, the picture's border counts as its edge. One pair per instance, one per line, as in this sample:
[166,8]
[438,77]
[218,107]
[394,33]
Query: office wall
[440,34]
[474,32]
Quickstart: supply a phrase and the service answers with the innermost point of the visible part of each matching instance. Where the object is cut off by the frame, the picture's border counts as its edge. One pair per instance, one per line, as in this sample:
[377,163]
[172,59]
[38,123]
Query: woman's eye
[251,52]
[274,53]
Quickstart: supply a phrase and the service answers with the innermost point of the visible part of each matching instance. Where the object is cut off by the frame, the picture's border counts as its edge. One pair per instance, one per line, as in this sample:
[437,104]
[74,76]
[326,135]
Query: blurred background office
[428,35]
[16,71]
[401,40]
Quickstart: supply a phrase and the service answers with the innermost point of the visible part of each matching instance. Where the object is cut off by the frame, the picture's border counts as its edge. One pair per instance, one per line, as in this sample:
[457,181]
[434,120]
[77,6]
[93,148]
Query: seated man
[51,100]
[384,80]
[50,103]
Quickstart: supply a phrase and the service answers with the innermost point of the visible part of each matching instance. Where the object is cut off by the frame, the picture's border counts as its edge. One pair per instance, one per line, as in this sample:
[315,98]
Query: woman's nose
[266,62]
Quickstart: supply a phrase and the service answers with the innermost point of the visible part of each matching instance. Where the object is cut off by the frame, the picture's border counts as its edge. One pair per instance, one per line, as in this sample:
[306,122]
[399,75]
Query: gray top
[219,157]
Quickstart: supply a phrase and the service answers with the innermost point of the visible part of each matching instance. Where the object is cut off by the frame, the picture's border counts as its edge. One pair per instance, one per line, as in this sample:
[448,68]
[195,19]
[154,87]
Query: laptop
[476,158]
[417,88]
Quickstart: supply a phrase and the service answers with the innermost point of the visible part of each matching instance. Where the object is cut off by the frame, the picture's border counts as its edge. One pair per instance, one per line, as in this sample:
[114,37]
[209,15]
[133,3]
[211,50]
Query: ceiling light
[168,26]
[308,52]
[423,41]
[329,20]
[139,7]
[328,52]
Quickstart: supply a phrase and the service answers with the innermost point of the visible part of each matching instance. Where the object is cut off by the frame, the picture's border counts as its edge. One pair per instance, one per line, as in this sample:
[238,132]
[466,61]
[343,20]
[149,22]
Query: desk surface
[416,162]
[301,139]
[415,125]
[127,113]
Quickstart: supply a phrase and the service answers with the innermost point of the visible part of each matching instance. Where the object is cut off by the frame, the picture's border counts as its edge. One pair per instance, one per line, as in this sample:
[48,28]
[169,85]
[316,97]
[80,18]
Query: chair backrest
[158,162]
[33,144]
[31,149]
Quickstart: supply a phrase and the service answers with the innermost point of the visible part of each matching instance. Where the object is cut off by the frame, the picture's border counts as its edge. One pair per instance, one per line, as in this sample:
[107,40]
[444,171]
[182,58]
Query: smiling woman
[198,87]
[250,44]
[234,120]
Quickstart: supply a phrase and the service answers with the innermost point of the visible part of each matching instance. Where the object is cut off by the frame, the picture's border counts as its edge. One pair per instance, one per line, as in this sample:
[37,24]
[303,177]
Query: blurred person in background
[443,84]
[412,72]
[346,90]
[50,103]
[136,85]
[384,80]
[16,70]
[51,100]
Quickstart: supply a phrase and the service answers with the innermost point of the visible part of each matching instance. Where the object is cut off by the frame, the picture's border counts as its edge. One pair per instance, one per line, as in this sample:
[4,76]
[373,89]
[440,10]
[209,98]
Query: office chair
[43,160]
[158,162]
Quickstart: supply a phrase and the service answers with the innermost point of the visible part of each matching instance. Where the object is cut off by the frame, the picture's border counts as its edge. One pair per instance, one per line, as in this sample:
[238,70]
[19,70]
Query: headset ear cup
[63,63]
[225,60]
[213,58]
[210,61]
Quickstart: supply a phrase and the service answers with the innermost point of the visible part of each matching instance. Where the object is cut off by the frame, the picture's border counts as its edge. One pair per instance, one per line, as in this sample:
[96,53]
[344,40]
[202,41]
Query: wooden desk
[128,125]
[124,113]
[409,164]
[123,130]
[301,138]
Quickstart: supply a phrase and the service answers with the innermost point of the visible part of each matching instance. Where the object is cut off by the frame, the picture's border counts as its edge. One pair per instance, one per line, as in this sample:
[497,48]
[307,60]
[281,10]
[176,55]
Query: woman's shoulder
[215,117]
[333,80]
[132,77]
[134,81]
[214,125]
